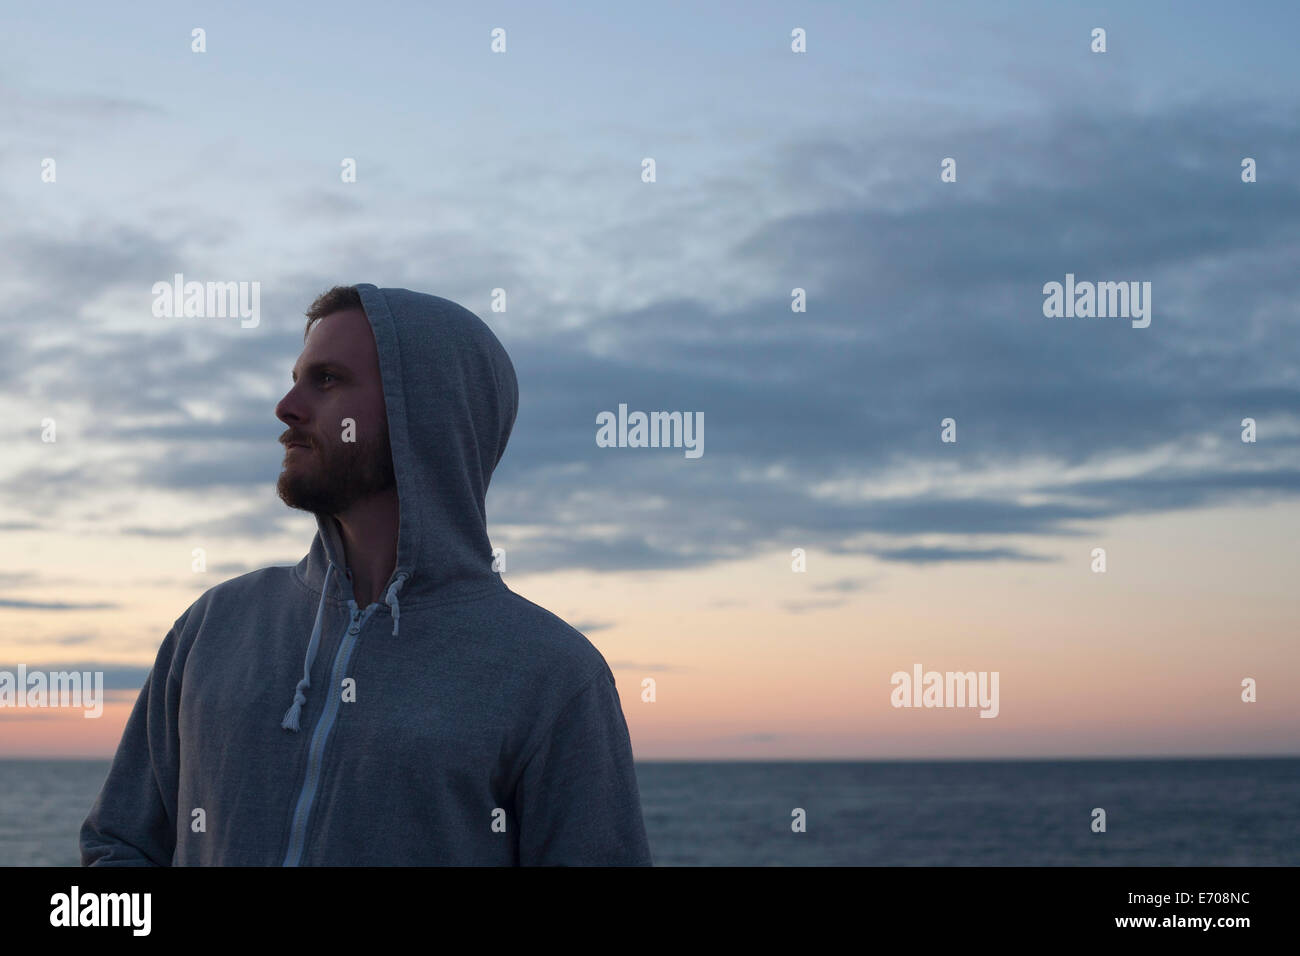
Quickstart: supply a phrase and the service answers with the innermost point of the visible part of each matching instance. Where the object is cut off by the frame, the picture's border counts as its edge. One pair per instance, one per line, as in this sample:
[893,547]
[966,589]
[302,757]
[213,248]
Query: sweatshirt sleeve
[133,822]
[577,799]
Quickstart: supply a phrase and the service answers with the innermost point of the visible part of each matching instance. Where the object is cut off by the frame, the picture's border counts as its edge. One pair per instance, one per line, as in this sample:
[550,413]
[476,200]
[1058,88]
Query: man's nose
[291,409]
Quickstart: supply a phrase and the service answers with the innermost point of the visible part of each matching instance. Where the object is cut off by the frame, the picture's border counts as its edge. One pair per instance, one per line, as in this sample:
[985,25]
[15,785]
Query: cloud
[919,555]
[67,640]
[845,585]
[645,668]
[116,676]
[271,517]
[799,607]
[924,303]
[20,107]
[57,605]
[760,738]
[235,568]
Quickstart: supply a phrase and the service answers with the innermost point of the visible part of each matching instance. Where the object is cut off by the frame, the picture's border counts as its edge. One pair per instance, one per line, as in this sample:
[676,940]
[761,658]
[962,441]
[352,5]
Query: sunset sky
[774,171]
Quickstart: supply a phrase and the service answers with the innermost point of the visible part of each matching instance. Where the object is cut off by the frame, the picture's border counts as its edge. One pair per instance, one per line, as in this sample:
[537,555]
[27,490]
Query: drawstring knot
[391,598]
[290,721]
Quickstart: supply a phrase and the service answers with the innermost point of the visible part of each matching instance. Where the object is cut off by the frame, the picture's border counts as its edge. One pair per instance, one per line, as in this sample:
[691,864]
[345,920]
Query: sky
[522,170]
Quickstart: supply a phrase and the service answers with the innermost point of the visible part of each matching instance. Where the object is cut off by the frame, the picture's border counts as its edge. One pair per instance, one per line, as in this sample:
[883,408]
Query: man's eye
[325,375]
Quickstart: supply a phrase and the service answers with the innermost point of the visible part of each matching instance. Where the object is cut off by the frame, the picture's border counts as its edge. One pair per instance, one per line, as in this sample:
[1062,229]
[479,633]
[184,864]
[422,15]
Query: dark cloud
[21,604]
[919,555]
[116,676]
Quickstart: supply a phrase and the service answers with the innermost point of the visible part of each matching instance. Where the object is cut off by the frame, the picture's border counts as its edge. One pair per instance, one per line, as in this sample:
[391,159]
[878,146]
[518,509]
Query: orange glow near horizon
[1146,659]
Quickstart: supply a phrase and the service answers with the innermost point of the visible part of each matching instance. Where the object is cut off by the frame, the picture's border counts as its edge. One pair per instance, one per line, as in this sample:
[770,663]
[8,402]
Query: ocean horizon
[1167,811]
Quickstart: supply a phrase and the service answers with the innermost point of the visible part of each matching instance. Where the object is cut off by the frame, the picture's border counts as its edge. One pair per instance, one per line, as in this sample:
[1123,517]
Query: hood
[452,397]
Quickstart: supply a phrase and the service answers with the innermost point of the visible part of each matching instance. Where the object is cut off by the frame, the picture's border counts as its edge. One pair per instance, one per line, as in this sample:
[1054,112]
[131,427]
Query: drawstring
[290,721]
[391,599]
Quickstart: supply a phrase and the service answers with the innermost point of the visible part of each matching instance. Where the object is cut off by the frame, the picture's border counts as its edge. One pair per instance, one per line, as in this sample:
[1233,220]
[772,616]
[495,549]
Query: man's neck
[369,532]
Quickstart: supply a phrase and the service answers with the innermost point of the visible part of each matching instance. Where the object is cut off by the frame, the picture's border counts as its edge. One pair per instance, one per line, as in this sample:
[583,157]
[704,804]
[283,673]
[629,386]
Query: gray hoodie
[480,729]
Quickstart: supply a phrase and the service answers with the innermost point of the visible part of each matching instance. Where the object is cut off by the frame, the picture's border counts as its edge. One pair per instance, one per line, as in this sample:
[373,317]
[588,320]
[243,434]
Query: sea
[1166,812]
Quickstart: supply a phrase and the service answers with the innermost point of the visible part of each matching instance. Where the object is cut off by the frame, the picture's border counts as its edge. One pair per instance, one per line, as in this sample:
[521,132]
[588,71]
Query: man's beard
[330,480]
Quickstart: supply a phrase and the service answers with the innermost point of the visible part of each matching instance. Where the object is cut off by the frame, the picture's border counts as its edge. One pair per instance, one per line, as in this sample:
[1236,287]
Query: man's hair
[338,298]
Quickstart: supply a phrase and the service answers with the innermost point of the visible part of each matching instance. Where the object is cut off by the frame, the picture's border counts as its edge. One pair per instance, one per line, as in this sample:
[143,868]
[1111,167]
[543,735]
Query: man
[388,700]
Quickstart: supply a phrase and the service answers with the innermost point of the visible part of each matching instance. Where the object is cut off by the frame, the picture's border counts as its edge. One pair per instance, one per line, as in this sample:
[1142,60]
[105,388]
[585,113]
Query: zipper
[320,736]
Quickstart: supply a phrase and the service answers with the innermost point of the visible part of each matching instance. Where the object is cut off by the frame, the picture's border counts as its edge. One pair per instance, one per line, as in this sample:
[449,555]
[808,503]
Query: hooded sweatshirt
[453,722]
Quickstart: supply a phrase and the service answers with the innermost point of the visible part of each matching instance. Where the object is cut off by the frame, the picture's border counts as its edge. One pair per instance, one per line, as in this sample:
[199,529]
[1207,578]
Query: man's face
[336,377]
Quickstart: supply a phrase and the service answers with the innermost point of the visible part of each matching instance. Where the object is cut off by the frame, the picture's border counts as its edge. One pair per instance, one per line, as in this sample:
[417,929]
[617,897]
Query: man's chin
[298,491]
[301,499]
